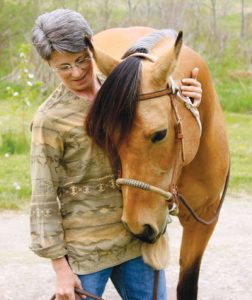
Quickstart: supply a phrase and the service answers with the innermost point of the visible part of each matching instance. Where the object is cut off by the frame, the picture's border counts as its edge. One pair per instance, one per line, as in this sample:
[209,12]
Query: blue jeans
[134,280]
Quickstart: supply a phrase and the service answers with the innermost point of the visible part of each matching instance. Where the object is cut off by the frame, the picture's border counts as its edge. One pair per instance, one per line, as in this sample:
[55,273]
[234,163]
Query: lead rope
[198,218]
[155,286]
[79,293]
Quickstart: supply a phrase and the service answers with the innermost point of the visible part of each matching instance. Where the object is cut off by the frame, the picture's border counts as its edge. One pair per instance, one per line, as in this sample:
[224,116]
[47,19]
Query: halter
[172,196]
[172,89]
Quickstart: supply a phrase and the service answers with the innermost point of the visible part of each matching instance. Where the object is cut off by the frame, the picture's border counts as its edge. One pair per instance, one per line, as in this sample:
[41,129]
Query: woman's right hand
[66,280]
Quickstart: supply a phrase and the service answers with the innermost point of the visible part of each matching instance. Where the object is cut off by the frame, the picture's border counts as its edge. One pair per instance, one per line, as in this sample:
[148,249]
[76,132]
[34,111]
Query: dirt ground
[226,272]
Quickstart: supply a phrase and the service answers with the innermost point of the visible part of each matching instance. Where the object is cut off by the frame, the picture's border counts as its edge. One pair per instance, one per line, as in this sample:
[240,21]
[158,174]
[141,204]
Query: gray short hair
[62,30]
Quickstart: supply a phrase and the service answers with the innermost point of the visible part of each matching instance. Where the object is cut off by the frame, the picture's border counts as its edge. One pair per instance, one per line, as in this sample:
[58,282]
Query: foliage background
[220,30]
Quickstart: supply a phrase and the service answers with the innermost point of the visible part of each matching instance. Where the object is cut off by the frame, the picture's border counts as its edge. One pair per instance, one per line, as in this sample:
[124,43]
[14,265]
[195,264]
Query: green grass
[232,79]
[240,138]
[235,94]
[14,127]
[15,187]
[14,171]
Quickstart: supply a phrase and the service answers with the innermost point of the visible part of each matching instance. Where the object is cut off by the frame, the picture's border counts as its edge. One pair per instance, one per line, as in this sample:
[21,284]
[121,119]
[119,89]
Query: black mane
[111,115]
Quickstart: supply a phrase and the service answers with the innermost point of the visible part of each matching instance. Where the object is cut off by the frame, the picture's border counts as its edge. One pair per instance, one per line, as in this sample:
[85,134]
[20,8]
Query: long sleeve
[76,207]
[47,236]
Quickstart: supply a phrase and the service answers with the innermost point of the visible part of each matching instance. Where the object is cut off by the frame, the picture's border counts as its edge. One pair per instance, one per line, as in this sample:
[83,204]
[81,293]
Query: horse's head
[143,133]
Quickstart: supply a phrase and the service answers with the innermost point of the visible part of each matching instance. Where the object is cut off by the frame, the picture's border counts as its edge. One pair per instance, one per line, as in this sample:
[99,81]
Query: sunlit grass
[15,187]
[240,140]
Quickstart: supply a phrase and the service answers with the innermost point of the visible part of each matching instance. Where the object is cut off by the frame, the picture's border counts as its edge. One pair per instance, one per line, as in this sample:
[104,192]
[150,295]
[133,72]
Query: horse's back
[116,41]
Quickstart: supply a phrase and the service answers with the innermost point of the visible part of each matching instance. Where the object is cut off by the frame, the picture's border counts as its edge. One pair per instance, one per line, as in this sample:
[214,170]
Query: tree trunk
[213,2]
[242,34]
[106,14]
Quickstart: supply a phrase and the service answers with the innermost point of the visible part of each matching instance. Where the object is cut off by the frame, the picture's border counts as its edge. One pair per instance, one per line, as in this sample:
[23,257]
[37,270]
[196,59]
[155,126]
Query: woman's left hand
[191,88]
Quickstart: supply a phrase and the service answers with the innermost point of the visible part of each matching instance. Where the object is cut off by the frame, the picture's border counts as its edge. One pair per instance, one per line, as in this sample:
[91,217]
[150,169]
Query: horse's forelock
[114,107]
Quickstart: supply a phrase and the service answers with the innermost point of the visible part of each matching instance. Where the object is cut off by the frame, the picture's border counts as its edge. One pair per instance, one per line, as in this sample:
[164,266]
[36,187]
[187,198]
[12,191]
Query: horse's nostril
[149,232]
[148,235]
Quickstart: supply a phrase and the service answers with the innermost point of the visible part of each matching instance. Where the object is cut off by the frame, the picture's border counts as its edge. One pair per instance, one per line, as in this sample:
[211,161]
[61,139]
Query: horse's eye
[158,136]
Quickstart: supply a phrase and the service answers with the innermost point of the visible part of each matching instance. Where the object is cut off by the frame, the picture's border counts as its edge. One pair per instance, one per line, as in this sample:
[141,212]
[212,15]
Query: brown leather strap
[178,129]
[151,95]
[79,293]
[198,218]
[179,153]
[180,150]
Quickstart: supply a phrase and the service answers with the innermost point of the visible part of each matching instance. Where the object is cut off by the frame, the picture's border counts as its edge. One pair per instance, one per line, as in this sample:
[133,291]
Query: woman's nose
[76,71]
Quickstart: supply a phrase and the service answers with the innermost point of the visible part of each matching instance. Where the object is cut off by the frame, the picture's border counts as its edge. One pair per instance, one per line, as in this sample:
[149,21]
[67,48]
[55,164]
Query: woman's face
[75,70]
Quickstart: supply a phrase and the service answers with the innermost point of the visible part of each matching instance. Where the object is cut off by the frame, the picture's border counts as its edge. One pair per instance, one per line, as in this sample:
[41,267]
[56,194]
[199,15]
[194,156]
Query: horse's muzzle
[149,234]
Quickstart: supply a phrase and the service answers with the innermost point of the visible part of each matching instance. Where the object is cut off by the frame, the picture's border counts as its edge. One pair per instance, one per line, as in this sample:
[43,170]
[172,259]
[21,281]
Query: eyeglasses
[82,63]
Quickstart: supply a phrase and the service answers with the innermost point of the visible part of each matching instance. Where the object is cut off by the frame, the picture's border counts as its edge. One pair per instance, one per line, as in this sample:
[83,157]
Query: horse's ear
[166,63]
[105,62]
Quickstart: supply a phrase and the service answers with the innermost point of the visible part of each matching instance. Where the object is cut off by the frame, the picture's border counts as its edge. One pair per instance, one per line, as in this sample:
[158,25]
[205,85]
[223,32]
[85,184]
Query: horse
[174,157]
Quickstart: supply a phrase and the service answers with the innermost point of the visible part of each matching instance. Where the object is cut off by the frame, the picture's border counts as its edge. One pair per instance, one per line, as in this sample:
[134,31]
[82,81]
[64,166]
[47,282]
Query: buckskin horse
[174,157]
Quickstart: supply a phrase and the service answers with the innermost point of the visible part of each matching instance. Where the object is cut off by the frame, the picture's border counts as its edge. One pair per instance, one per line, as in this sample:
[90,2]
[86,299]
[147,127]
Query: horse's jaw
[157,255]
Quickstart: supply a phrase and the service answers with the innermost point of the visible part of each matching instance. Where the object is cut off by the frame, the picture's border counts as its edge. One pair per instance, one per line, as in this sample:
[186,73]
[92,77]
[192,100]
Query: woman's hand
[66,280]
[191,88]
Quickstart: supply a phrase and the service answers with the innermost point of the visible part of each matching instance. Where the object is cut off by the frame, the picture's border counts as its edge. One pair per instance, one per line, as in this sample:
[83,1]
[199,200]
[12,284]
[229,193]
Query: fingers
[191,88]
[65,295]
[194,95]
[78,285]
[195,72]
[191,91]
[191,81]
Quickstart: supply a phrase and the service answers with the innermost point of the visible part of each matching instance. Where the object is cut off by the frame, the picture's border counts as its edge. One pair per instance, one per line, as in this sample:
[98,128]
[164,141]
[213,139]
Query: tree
[214,18]
[242,34]
[107,13]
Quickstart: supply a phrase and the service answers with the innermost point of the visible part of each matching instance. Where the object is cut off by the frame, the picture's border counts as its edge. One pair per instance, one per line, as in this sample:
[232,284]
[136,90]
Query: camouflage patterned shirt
[75,207]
